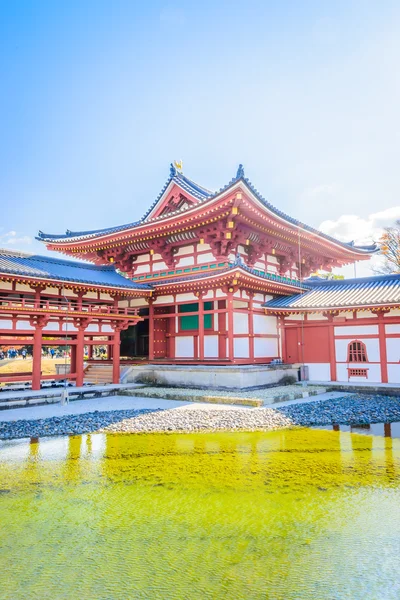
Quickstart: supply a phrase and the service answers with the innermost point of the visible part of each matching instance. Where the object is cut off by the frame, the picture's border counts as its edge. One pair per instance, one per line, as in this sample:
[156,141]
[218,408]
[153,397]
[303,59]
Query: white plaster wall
[142,269]
[159,266]
[105,296]
[392,328]
[241,347]
[184,346]
[6,324]
[240,304]
[137,302]
[185,261]
[393,312]
[6,285]
[91,295]
[264,324]
[259,297]
[260,265]
[143,258]
[157,257]
[319,371]
[240,323]
[186,297]
[205,258]
[272,259]
[211,346]
[220,294]
[265,347]
[185,250]
[316,317]
[393,373]
[164,300]
[294,317]
[393,349]
[203,247]
[209,295]
[374,372]
[366,314]
[354,331]
[51,291]
[372,346]
[22,287]
[23,325]
[92,327]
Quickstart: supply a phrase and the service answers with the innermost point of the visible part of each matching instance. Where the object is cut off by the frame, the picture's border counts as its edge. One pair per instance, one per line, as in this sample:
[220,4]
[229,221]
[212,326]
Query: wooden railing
[60,305]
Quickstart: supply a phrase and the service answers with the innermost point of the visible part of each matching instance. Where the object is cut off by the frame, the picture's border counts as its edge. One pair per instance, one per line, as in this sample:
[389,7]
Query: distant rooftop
[341,293]
[46,267]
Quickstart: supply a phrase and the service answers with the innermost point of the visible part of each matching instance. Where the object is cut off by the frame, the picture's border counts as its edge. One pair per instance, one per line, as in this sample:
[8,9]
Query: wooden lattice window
[357,352]
[358,373]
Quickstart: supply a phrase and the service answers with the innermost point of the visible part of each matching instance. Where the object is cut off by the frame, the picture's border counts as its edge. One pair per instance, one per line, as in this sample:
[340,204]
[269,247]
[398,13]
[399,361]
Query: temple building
[206,278]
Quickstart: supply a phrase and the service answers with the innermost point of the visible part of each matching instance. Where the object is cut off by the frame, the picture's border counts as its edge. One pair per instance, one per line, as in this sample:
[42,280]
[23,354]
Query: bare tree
[389,244]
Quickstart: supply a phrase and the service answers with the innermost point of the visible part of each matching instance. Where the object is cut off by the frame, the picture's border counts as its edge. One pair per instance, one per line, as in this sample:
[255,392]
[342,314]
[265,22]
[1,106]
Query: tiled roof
[175,176]
[342,293]
[202,194]
[46,267]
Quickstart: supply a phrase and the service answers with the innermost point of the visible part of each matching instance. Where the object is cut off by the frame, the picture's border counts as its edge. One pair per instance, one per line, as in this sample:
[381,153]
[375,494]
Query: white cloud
[361,230]
[11,239]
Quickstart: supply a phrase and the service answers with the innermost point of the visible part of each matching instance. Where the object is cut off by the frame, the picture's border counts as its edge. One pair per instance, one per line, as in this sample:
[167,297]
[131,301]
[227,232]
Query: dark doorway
[135,339]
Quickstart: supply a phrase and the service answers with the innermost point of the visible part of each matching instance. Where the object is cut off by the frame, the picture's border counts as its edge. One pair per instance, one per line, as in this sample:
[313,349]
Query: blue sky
[98,97]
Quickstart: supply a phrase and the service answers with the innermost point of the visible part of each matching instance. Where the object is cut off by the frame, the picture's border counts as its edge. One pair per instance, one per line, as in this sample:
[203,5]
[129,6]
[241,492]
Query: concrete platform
[363,387]
[19,399]
[230,377]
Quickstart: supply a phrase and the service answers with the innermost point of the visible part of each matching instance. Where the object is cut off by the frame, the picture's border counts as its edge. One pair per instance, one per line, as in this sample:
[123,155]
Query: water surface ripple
[291,514]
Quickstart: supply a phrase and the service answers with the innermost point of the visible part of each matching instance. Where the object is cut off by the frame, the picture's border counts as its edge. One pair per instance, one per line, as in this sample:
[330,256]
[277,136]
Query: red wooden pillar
[201,326]
[90,350]
[73,359]
[37,358]
[230,325]
[251,326]
[38,290]
[80,324]
[222,329]
[382,348]
[38,323]
[151,329]
[116,356]
[80,339]
[332,349]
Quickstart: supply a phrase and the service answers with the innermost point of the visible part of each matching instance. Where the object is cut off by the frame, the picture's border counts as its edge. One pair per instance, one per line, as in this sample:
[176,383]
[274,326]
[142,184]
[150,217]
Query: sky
[98,97]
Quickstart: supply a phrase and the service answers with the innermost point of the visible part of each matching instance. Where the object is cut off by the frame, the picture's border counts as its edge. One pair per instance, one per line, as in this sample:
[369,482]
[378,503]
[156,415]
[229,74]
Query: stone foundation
[230,377]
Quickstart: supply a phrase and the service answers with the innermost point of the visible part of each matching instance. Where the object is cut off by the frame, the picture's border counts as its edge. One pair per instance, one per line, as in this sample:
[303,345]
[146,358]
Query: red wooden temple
[196,273]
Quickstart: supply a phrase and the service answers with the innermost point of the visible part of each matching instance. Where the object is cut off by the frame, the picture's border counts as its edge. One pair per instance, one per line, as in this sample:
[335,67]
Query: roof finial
[172,170]
[240,172]
[178,164]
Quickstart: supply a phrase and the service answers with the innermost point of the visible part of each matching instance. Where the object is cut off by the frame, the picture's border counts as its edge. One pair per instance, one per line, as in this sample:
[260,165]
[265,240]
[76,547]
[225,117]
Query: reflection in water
[286,514]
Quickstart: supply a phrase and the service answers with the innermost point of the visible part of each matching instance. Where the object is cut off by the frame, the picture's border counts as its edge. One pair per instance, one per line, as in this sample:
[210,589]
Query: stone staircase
[98,374]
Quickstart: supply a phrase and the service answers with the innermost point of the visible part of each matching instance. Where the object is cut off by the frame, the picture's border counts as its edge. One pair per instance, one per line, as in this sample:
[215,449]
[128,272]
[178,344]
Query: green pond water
[283,515]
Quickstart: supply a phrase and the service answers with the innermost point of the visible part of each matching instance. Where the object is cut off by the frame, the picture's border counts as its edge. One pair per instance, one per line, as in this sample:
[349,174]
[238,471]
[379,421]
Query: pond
[291,514]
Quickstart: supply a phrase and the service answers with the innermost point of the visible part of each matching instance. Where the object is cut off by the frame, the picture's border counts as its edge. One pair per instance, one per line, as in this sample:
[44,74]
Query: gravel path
[348,410]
